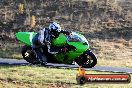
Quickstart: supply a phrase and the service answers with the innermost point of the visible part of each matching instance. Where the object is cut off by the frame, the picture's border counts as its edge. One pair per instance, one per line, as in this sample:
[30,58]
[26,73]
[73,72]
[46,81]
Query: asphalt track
[96,68]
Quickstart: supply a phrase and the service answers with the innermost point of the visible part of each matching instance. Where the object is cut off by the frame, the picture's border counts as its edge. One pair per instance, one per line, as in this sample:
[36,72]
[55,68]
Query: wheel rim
[27,54]
[89,60]
[85,61]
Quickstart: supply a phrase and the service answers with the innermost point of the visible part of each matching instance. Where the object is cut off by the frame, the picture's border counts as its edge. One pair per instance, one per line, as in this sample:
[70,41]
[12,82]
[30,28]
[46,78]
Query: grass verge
[41,77]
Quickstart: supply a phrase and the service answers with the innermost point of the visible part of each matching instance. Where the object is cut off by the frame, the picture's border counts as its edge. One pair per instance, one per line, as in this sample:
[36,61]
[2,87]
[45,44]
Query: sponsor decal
[83,78]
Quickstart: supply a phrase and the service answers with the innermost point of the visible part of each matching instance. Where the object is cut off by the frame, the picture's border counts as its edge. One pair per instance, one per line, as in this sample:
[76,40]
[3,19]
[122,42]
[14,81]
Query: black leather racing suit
[44,38]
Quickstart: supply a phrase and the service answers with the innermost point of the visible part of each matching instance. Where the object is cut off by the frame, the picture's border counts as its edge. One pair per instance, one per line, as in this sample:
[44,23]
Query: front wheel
[87,60]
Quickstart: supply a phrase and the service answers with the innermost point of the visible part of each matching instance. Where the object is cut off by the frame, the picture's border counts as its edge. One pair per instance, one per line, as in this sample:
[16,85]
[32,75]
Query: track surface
[97,68]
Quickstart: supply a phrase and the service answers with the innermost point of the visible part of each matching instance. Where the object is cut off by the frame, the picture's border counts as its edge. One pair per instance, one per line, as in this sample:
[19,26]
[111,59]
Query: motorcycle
[76,44]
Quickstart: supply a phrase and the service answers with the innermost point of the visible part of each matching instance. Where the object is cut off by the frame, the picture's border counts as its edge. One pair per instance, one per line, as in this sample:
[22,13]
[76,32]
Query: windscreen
[76,37]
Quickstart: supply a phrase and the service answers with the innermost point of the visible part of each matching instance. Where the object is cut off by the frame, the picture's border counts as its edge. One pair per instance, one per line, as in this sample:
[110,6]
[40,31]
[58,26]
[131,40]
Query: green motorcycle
[76,44]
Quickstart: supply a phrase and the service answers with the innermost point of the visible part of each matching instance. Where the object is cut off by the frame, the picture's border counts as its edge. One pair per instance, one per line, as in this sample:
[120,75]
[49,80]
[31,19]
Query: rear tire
[87,60]
[29,55]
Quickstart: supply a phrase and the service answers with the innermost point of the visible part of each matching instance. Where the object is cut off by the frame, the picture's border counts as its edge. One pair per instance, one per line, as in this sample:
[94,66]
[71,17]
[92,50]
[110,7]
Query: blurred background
[107,24]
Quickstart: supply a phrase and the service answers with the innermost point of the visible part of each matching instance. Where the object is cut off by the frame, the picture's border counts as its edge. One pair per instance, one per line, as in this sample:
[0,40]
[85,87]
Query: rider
[44,37]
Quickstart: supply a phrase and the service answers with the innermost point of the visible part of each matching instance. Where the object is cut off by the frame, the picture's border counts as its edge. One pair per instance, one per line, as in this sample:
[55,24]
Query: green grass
[41,77]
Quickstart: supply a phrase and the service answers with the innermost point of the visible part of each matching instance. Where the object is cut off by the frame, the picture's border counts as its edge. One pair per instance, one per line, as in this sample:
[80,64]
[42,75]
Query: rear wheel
[29,55]
[87,60]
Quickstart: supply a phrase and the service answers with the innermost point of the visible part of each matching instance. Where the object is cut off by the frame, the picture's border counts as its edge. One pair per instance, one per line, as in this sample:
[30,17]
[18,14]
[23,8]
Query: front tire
[87,60]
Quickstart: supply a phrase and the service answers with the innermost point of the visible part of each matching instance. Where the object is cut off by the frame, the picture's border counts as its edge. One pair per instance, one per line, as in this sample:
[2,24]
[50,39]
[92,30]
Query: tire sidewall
[24,50]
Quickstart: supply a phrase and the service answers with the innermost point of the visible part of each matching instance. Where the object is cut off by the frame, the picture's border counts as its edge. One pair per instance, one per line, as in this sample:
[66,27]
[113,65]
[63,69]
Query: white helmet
[55,27]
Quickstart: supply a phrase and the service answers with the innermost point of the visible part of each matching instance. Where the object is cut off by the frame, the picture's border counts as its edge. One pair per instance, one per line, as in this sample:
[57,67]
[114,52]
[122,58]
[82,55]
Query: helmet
[55,27]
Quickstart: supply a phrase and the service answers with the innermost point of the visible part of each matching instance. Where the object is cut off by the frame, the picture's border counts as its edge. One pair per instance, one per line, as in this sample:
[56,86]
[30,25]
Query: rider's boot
[42,58]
